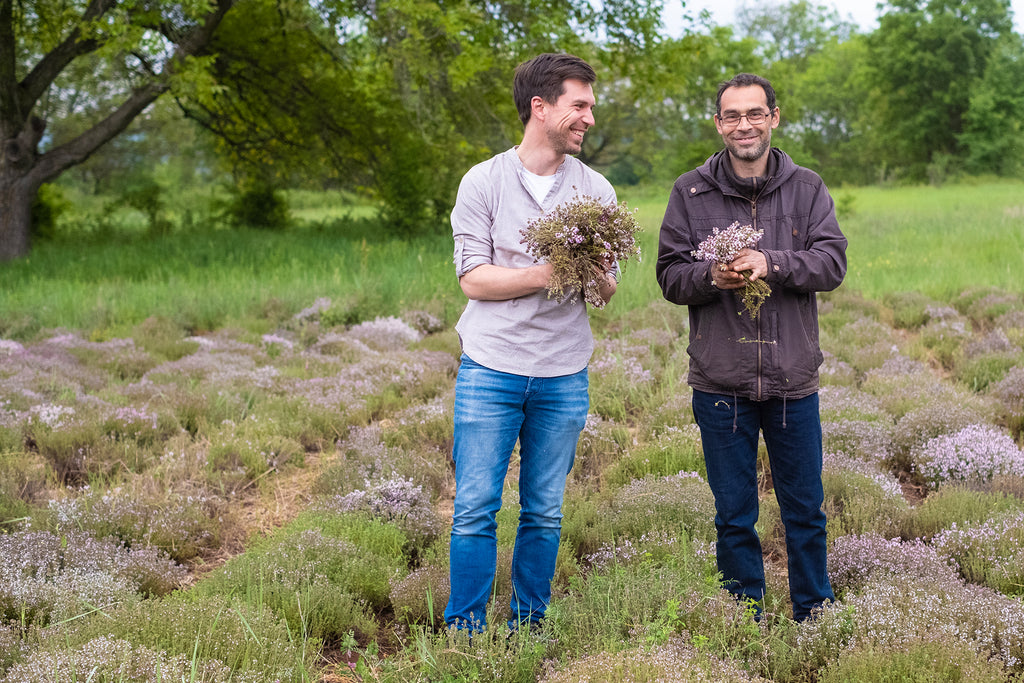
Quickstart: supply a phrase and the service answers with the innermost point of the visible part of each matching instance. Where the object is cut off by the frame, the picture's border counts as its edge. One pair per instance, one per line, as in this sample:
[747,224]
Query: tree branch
[8,83]
[56,60]
[59,159]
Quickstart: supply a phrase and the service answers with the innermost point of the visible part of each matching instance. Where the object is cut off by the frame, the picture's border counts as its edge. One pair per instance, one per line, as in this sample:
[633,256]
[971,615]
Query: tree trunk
[16,197]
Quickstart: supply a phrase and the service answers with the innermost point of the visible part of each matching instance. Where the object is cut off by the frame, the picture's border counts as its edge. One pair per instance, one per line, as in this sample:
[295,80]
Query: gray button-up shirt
[533,335]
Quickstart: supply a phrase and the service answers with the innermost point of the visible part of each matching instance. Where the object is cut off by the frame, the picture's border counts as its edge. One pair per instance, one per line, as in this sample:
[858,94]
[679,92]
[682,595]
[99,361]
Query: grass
[304,482]
[901,239]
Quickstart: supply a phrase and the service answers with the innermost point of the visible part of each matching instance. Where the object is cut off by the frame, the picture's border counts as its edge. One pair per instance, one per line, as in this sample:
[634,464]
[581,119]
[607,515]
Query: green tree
[825,113]
[396,97]
[793,31]
[655,105]
[95,65]
[924,60]
[993,128]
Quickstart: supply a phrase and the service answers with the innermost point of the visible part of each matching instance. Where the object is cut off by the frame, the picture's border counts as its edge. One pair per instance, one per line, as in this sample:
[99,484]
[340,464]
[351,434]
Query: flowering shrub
[110,659]
[835,372]
[910,310]
[254,642]
[385,334]
[420,597]
[669,450]
[654,545]
[856,560]
[976,452]
[179,524]
[850,343]
[397,500]
[247,451]
[601,442]
[936,418]
[991,553]
[867,441]
[669,503]
[946,337]
[841,462]
[575,238]
[676,660]
[889,614]
[963,504]
[45,577]
[317,579]
[838,403]
[986,304]
[1010,390]
[623,378]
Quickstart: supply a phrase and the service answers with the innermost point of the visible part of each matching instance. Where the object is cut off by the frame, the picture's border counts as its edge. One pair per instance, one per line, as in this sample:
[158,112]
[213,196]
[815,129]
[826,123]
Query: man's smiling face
[745,141]
[569,118]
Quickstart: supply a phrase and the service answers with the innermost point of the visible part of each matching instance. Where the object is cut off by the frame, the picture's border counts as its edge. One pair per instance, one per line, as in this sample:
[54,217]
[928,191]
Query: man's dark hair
[544,76]
[742,81]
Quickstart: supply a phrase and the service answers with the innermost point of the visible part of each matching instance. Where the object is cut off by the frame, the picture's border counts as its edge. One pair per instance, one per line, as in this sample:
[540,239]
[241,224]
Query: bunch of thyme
[577,238]
[723,246]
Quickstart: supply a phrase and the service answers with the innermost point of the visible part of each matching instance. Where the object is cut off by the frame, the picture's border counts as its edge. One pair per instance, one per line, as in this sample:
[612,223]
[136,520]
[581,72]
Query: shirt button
[776,269]
[693,190]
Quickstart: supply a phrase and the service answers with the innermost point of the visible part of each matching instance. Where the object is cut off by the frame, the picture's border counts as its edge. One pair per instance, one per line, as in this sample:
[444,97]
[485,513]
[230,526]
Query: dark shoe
[532,632]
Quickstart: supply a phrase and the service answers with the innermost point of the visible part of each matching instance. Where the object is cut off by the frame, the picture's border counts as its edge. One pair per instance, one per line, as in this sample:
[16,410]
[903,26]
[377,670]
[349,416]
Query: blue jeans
[492,411]
[729,429]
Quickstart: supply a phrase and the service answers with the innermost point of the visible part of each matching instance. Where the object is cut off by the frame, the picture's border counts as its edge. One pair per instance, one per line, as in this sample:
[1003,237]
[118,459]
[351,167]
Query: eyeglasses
[754,118]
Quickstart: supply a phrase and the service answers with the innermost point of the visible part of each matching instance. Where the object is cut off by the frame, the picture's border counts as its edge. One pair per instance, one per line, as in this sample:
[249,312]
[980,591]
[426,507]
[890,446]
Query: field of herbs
[228,459]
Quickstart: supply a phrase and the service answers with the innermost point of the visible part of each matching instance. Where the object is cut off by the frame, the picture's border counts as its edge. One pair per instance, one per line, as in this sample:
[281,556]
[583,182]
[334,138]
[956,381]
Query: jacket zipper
[753,220]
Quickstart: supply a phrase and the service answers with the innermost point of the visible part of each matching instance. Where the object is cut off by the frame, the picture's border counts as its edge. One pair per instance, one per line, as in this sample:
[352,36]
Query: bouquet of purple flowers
[723,246]
[577,238]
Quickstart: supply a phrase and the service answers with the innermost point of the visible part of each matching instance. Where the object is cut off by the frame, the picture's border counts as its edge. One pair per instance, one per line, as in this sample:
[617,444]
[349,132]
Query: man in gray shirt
[523,375]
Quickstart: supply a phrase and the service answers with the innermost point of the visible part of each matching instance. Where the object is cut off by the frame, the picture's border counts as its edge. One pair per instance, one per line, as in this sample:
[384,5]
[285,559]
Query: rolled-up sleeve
[472,224]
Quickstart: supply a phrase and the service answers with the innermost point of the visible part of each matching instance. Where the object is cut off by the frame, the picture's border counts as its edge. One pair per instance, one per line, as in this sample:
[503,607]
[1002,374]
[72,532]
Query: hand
[730,275]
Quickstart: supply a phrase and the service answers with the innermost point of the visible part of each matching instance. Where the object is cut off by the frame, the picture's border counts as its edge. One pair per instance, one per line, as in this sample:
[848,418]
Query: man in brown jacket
[757,374]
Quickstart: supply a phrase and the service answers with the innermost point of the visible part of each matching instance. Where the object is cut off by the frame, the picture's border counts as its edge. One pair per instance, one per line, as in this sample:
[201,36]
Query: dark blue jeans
[493,410]
[729,429]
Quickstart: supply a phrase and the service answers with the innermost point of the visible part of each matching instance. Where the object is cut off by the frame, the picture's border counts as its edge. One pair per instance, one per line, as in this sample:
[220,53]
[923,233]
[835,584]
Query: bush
[260,205]
[893,615]
[918,662]
[990,553]
[673,450]
[46,577]
[252,642]
[47,208]
[955,505]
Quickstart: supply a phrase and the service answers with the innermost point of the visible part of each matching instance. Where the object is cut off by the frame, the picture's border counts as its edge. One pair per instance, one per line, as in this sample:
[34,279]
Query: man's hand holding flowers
[728,276]
[736,264]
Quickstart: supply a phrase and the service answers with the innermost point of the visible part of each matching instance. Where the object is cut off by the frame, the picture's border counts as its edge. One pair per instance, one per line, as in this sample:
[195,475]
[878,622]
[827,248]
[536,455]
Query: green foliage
[931,53]
[856,504]
[955,504]
[260,205]
[250,641]
[990,121]
[919,662]
[50,203]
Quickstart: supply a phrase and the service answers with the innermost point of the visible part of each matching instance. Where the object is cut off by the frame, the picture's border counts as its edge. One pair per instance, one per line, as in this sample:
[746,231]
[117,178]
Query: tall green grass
[938,241]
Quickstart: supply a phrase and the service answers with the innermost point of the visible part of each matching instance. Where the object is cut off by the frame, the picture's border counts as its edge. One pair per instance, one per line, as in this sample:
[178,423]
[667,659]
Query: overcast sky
[864,12]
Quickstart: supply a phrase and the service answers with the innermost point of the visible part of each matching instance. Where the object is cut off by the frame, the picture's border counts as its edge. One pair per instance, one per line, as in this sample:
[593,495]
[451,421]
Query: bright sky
[864,12]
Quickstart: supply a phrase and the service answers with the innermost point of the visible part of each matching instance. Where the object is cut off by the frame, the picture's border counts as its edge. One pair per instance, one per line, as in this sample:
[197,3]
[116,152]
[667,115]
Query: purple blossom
[854,561]
[723,245]
[397,500]
[976,452]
